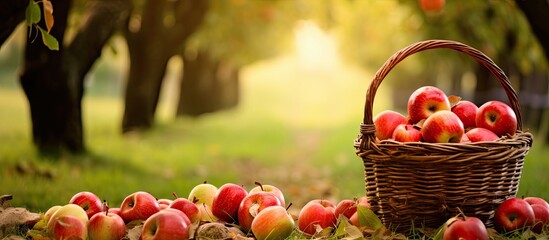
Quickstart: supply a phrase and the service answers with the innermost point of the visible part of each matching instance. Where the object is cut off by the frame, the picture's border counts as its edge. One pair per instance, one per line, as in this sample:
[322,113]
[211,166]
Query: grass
[294,129]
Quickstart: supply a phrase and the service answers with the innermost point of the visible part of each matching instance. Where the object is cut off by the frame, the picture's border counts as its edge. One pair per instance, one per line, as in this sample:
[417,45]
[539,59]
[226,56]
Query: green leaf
[49,40]
[368,218]
[32,13]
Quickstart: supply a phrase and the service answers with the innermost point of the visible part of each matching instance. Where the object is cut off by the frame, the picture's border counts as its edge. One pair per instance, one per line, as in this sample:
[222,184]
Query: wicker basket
[424,184]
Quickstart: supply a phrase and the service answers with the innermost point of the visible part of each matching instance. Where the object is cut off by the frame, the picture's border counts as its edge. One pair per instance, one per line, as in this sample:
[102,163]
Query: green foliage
[32,18]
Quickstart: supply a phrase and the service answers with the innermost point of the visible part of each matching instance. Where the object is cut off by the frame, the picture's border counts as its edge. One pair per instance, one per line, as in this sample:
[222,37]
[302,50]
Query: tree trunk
[53,80]
[12,13]
[150,47]
[207,85]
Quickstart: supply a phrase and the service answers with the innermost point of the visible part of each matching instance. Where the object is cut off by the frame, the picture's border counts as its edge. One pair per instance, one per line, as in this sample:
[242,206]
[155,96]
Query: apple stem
[205,181]
[195,200]
[106,206]
[289,205]
[174,194]
[260,185]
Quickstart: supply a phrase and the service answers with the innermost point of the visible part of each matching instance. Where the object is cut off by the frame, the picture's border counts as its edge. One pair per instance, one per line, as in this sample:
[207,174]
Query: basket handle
[433,44]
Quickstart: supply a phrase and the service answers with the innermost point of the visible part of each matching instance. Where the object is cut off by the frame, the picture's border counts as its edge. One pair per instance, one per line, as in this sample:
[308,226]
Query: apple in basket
[442,127]
[467,112]
[407,133]
[425,101]
[465,228]
[386,122]
[481,134]
[497,117]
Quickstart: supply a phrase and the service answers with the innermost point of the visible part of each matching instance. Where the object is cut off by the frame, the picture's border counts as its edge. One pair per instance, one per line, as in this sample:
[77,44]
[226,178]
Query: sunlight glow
[315,49]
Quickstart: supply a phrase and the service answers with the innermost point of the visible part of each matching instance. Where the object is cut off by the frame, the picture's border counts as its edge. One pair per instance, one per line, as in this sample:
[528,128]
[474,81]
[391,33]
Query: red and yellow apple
[481,134]
[72,210]
[253,204]
[426,101]
[457,228]
[273,222]
[165,224]
[227,200]
[138,206]
[69,227]
[316,214]
[497,117]
[407,133]
[106,226]
[512,214]
[90,202]
[189,208]
[442,127]
[271,189]
[386,122]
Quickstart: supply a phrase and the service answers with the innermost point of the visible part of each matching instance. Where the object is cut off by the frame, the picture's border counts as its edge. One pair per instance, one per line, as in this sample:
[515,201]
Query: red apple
[345,207]
[480,135]
[69,227]
[513,214]
[70,209]
[442,127]
[362,201]
[497,117]
[536,200]
[90,202]
[386,122]
[425,101]
[316,214]
[541,215]
[138,206]
[227,201]
[165,224]
[432,6]
[108,226]
[253,204]
[468,228]
[273,223]
[407,133]
[467,112]
[271,189]
[189,208]
[115,210]
[465,139]
[164,203]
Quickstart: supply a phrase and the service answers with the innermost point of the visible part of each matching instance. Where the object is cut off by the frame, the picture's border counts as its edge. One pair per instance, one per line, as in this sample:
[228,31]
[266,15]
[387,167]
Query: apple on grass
[467,112]
[512,214]
[361,201]
[407,133]
[426,101]
[481,135]
[164,203]
[316,215]
[69,227]
[227,200]
[497,117]
[541,212]
[106,226]
[166,224]
[203,193]
[442,127]
[253,204]
[536,200]
[345,207]
[457,228]
[138,206]
[186,206]
[72,210]
[271,189]
[273,222]
[386,122]
[90,202]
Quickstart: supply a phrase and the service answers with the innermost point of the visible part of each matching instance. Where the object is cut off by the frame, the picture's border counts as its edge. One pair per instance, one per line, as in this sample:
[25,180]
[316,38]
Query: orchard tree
[233,34]
[53,70]
[156,32]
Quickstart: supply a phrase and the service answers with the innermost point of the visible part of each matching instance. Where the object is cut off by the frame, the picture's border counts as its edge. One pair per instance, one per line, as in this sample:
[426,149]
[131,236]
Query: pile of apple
[259,213]
[434,117]
[511,216]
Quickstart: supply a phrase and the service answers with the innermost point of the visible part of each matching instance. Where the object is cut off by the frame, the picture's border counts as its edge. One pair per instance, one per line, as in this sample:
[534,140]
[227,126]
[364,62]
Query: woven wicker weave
[425,183]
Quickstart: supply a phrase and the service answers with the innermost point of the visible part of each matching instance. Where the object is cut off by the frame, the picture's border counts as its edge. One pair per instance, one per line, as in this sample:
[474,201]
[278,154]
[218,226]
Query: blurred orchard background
[161,95]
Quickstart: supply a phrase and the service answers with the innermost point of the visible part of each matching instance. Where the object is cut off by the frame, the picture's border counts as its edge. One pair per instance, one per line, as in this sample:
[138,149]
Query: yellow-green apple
[226,201]
[90,202]
[70,209]
[481,134]
[51,211]
[271,189]
[541,212]
[425,101]
[497,117]
[165,224]
[363,202]
[442,127]
[345,207]
[536,200]
[407,133]
[106,226]
[467,112]
[189,208]
[69,227]
[458,228]
[164,203]
[138,206]
[206,213]
[512,214]
[316,214]
[386,122]
[43,222]
[203,193]
[253,204]
[273,223]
